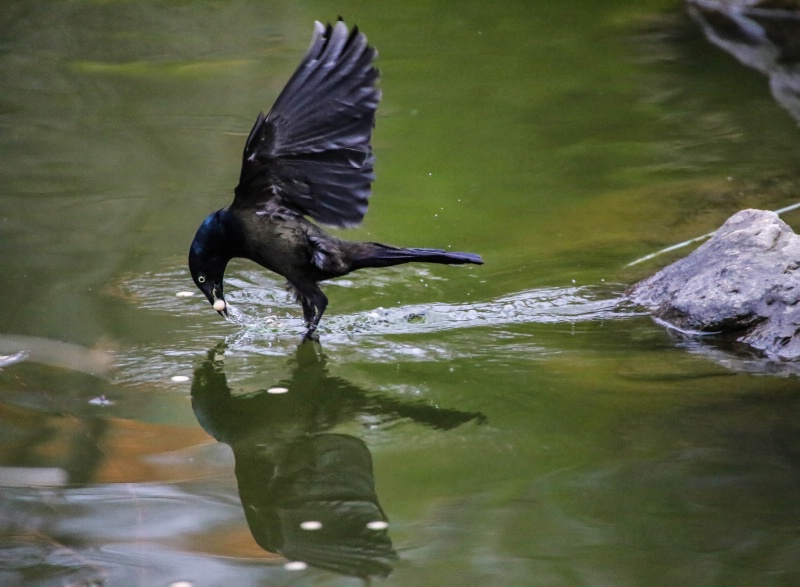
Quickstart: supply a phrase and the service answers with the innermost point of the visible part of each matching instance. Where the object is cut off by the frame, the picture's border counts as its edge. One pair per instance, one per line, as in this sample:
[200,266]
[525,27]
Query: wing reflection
[308,494]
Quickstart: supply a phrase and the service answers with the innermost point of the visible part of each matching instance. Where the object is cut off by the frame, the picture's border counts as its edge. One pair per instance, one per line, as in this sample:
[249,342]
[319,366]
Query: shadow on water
[308,494]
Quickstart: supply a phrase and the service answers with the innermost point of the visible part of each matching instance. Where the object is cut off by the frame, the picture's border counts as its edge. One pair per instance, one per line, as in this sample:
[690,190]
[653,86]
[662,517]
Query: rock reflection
[18,348]
[308,494]
[760,34]
[734,356]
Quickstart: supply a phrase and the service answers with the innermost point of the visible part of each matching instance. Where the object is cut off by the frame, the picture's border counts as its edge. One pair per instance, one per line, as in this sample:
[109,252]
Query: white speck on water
[184,294]
[101,401]
[311,525]
[179,378]
[277,390]
[295,566]
[377,525]
[573,281]
[181,584]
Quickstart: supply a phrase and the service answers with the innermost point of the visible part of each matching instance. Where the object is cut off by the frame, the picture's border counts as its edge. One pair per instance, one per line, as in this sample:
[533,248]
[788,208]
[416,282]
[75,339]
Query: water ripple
[272,312]
[270,309]
[268,324]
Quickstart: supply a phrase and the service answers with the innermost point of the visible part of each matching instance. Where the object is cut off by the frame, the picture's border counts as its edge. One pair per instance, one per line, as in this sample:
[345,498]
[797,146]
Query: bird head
[207,266]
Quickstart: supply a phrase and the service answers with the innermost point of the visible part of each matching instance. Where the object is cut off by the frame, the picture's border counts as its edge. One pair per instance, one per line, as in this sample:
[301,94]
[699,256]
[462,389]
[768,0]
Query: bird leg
[308,311]
[314,303]
[320,302]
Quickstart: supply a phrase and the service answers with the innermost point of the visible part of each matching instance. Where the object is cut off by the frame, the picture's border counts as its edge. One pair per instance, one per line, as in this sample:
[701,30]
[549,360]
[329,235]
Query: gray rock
[745,279]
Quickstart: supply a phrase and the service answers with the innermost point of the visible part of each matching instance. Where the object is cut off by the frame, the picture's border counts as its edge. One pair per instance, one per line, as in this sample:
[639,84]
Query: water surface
[516,423]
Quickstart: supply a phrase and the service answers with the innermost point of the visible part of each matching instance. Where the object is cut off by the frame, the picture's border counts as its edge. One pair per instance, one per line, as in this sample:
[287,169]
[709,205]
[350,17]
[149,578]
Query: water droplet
[180,378]
[378,525]
[277,390]
[311,525]
[184,294]
[295,566]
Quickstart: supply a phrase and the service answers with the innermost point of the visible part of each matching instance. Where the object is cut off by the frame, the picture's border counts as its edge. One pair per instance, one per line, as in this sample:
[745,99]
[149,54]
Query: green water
[525,426]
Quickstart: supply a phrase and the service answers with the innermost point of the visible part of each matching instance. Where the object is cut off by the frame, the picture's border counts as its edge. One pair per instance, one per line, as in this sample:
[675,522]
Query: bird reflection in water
[308,494]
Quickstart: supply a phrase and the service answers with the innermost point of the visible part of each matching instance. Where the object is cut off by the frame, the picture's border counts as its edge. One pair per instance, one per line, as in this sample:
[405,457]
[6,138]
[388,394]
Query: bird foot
[311,334]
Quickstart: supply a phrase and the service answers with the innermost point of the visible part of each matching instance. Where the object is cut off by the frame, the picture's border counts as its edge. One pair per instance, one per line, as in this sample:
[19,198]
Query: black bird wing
[312,152]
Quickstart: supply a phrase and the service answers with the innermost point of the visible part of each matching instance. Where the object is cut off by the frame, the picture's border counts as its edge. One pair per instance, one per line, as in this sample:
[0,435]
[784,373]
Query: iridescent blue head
[208,260]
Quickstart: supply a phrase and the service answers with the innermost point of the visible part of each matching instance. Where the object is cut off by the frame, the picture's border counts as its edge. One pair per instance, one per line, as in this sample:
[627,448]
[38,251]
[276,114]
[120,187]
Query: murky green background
[526,428]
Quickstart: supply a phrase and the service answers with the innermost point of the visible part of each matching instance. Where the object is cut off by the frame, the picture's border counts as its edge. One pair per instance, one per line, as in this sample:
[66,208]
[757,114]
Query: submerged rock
[745,279]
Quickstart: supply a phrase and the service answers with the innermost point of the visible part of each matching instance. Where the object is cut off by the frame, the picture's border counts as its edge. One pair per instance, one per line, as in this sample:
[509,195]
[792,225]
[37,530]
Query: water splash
[264,320]
[542,306]
[271,312]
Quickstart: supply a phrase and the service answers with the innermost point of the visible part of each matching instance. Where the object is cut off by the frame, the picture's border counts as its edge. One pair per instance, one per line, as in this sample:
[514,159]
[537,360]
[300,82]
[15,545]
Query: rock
[762,34]
[745,279]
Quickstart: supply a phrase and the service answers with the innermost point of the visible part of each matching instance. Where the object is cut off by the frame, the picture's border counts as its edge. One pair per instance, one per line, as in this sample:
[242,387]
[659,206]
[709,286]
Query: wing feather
[312,150]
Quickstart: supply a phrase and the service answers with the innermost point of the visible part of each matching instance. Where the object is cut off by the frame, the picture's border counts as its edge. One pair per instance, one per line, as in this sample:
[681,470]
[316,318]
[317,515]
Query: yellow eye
[201,279]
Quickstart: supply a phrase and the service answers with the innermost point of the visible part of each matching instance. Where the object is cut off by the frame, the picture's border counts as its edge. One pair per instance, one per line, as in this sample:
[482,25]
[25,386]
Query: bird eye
[201,279]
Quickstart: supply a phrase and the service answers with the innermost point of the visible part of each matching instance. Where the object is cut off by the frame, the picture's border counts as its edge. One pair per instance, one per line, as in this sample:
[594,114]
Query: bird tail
[378,255]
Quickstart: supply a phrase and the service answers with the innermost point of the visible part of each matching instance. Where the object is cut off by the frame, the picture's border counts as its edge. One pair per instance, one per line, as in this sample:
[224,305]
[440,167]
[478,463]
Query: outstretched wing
[312,151]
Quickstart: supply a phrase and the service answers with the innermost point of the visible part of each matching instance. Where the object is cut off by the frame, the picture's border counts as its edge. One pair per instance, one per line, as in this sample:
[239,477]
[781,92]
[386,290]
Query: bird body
[310,156]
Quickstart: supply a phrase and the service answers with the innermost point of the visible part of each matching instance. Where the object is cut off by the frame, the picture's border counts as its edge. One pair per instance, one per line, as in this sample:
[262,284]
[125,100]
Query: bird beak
[218,302]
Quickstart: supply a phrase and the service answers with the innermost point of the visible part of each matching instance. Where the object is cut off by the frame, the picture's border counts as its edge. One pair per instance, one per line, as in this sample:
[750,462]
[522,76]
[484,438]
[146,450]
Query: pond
[515,423]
